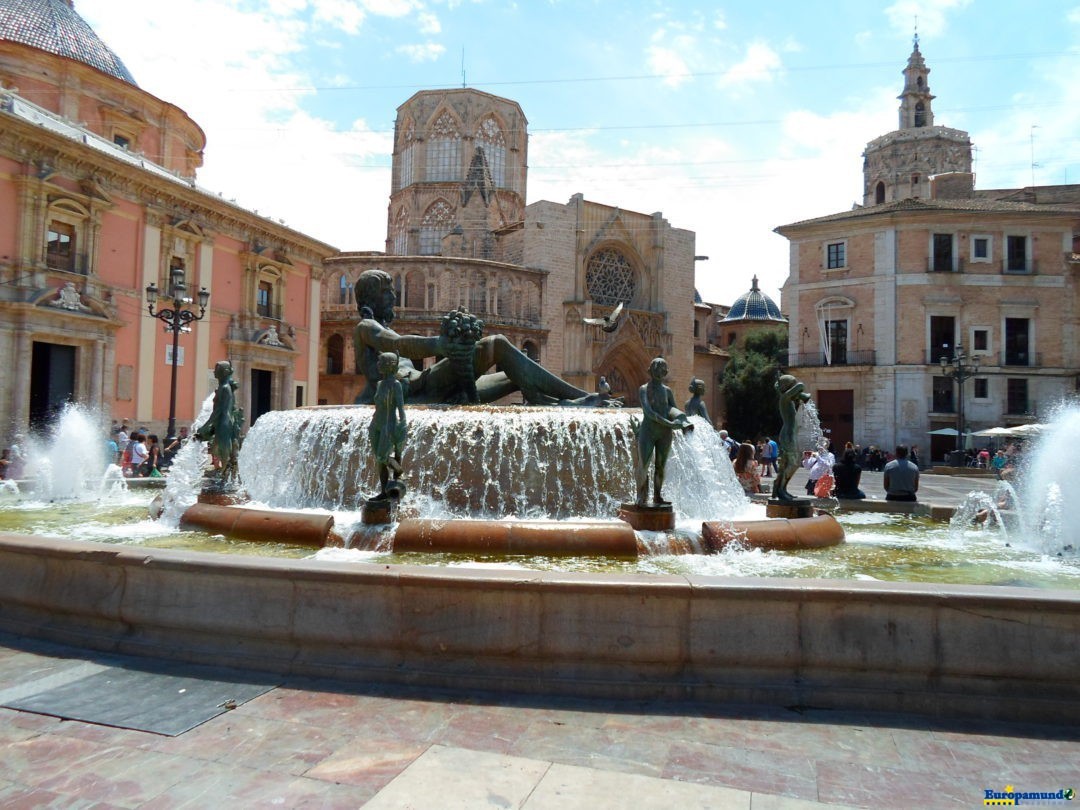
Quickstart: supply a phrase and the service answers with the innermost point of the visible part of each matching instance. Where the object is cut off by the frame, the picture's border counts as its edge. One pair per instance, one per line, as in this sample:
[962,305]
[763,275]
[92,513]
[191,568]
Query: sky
[729,118]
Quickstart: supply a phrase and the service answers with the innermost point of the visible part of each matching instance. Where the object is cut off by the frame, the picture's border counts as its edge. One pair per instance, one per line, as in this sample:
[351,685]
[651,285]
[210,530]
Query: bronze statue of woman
[222,430]
[792,395]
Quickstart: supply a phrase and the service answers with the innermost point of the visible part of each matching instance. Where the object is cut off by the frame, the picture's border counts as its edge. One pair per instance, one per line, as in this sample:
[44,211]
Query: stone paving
[323,744]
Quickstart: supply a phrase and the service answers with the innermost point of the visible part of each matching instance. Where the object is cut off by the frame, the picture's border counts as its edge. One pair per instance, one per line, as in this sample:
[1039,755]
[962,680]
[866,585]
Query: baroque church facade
[459,233]
[929,267]
[98,201]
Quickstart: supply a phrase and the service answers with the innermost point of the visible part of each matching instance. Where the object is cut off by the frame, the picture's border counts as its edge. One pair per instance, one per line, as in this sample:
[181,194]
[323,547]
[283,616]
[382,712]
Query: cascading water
[1049,517]
[809,423]
[527,463]
[186,473]
[72,464]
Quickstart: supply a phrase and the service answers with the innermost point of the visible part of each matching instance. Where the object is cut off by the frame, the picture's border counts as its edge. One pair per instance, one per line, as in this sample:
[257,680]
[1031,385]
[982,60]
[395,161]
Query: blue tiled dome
[754,306]
[53,26]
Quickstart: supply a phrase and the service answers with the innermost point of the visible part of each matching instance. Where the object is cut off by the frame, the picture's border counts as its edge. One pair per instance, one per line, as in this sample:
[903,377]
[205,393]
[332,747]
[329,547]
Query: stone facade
[878,295]
[97,201]
[459,233]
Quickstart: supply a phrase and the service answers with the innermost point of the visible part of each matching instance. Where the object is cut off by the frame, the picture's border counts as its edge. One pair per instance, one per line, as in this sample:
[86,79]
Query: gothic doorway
[52,382]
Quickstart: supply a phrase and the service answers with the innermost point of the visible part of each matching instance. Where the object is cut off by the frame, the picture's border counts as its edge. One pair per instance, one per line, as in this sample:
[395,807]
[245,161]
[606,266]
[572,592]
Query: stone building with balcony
[927,267]
[98,200]
[460,234]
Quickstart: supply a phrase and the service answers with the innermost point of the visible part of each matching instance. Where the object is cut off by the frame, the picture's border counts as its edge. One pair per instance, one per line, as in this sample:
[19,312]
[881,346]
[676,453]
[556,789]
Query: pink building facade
[98,200]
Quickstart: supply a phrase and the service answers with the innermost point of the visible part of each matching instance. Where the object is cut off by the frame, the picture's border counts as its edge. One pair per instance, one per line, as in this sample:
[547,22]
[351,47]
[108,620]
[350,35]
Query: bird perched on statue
[609,323]
[603,387]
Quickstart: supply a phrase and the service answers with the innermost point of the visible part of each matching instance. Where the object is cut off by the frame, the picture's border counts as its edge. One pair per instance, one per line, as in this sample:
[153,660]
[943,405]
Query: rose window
[609,278]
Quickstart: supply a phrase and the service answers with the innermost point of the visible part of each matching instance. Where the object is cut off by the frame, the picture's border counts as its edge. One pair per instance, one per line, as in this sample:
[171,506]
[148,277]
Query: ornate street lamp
[177,319]
[961,373]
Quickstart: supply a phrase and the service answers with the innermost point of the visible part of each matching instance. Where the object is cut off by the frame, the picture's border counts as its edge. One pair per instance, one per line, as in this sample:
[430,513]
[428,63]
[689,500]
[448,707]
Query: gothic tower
[900,164]
[459,169]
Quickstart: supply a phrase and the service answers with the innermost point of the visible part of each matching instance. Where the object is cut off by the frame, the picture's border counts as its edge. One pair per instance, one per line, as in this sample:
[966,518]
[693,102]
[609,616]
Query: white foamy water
[528,463]
[72,463]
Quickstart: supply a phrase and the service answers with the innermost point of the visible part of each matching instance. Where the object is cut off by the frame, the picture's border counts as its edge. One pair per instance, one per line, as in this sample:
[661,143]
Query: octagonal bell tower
[899,165]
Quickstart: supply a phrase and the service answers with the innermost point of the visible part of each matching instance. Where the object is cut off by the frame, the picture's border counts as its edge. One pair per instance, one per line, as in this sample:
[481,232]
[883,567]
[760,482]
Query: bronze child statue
[792,395]
[656,432]
[222,429]
[388,429]
[694,406]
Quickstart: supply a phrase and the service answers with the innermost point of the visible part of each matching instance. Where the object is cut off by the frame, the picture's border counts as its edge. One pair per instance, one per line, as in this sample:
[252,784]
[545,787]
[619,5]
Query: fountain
[1033,511]
[683,635]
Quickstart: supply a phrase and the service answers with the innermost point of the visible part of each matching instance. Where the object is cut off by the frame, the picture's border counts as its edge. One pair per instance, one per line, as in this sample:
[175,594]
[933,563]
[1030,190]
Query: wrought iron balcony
[843,358]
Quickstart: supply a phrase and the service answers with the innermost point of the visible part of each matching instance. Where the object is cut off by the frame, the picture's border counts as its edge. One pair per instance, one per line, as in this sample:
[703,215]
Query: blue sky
[731,119]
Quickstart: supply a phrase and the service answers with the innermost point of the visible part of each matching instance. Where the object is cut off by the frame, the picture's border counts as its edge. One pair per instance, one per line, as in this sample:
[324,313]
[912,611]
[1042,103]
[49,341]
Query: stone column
[97,374]
[20,389]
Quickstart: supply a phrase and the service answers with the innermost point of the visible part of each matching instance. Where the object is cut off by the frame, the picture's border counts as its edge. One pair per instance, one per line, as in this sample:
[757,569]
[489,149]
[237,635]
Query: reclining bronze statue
[469,369]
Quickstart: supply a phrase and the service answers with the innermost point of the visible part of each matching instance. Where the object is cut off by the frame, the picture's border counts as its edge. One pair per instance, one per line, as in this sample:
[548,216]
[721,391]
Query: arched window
[444,150]
[401,234]
[335,354]
[408,153]
[920,114]
[437,222]
[490,138]
[879,193]
[531,351]
[609,278]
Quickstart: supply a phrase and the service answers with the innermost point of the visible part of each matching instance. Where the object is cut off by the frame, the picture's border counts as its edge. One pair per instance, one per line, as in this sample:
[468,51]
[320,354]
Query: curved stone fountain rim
[958,650]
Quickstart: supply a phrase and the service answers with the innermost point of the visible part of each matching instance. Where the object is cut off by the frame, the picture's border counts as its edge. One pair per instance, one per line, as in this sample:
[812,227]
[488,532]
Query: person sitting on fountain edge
[901,477]
[441,382]
[847,474]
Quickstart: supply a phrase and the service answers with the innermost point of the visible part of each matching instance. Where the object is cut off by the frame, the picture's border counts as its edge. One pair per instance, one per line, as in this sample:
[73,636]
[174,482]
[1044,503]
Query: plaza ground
[325,744]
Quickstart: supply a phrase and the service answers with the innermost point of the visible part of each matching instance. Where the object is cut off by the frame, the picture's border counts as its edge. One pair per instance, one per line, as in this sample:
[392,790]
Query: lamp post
[176,319]
[960,372]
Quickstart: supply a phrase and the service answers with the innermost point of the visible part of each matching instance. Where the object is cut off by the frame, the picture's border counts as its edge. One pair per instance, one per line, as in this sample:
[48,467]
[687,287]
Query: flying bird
[609,323]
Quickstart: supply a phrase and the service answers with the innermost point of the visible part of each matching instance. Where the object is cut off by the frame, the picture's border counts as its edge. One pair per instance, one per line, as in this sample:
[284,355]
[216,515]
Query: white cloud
[761,64]
[344,14]
[263,148]
[429,23]
[668,63]
[391,8]
[931,14]
[425,52]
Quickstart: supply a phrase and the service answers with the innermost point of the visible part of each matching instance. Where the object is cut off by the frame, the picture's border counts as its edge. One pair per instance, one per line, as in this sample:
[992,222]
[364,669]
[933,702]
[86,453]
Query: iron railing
[844,358]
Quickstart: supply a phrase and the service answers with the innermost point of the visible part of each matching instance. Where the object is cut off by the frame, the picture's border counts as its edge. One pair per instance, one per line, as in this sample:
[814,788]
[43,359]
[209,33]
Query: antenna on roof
[463,66]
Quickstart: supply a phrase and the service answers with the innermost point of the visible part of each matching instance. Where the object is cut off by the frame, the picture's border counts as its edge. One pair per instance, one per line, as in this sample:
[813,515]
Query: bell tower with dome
[899,165]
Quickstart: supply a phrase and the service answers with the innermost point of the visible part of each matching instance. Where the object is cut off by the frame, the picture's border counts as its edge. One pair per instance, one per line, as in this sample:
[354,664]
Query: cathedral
[935,308]
[459,233]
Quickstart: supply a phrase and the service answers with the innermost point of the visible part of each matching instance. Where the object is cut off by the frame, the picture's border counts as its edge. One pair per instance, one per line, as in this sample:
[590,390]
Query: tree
[747,382]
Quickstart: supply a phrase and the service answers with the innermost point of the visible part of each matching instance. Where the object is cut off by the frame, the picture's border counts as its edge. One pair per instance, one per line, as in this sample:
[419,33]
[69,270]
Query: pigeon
[603,387]
[608,323]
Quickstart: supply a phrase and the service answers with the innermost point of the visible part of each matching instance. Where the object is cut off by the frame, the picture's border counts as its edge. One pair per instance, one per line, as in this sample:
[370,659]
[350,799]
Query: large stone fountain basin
[991,652]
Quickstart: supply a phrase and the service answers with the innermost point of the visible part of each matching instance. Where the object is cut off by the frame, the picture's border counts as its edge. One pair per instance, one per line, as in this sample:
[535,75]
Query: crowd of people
[141,454]
[828,476]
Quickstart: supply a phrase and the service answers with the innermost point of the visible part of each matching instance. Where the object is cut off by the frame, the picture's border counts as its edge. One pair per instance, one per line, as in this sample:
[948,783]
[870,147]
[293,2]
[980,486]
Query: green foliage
[752,406]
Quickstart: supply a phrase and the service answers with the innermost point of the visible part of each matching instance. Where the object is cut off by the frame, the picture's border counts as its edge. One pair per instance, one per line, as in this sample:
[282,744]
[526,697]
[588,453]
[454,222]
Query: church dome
[754,306]
[54,27]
